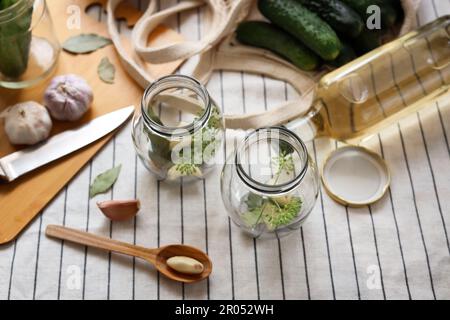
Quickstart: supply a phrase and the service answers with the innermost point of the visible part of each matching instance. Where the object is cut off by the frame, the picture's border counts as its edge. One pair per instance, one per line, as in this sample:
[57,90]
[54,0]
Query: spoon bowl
[171,251]
[158,257]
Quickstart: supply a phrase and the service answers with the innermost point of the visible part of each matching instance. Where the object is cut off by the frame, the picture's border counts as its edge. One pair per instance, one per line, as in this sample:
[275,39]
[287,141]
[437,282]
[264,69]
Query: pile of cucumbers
[310,32]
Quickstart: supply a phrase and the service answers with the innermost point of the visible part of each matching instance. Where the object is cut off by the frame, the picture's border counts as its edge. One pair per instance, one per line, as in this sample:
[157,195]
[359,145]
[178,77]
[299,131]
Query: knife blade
[19,163]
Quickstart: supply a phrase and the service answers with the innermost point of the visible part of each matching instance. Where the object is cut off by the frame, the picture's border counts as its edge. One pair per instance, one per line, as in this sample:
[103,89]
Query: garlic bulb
[68,97]
[27,123]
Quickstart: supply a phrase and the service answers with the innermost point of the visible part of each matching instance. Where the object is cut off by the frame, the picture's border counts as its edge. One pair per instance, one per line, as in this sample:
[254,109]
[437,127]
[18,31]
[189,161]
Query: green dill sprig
[195,154]
[208,137]
[274,212]
[186,169]
[284,163]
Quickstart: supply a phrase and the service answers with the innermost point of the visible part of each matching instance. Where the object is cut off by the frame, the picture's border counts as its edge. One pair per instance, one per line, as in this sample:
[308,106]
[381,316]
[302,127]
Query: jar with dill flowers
[270,184]
[178,129]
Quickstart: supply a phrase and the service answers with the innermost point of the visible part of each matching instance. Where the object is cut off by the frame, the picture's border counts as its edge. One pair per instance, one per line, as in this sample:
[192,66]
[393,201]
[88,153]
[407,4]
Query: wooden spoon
[157,257]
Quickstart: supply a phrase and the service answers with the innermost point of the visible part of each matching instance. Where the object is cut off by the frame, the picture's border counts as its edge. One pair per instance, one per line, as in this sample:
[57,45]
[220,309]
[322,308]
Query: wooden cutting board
[23,199]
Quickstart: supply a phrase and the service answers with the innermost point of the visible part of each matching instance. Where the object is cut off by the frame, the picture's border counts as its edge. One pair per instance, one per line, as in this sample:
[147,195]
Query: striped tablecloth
[395,249]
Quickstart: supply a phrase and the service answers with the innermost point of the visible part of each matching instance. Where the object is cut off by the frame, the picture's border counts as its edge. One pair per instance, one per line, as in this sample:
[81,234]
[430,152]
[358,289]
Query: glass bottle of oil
[380,88]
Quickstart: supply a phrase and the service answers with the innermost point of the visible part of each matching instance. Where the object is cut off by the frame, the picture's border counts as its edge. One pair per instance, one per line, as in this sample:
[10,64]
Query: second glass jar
[178,129]
[270,184]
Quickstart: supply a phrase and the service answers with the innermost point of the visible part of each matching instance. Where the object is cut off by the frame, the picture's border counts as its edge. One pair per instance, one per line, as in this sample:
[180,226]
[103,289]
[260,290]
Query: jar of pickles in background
[270,184]
[29,48]
[178,129]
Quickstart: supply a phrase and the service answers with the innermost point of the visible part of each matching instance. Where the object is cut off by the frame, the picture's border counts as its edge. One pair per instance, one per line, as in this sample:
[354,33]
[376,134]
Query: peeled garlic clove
[68,97]
[186,265]
[27,123]
[120,210]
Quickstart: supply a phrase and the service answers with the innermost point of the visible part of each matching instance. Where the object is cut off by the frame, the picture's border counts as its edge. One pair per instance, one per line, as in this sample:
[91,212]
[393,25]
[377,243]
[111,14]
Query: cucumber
[267,36]
[388,13]
[347,54]
[338,15]
[6,3]
[304,25]
[367,41]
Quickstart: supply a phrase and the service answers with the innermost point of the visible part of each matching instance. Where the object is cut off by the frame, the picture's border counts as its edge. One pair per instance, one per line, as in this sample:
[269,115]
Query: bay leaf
[106,71]
[104,181]
[85,43]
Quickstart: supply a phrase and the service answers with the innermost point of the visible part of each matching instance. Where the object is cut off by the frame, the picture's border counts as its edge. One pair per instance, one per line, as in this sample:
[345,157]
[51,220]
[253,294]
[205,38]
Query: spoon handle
[98,242]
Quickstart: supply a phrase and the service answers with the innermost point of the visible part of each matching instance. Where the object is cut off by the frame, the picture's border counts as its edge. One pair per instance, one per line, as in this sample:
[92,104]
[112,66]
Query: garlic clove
[120,210]
[186,265]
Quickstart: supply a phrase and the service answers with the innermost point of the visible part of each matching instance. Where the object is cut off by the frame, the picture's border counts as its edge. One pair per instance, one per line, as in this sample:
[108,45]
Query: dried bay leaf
[106,71]
[160,152]
[104,181]
[85,43]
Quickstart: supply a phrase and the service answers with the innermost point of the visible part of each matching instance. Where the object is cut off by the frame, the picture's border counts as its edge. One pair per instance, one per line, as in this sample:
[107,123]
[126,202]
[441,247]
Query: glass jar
[270,184]
[29,48]
[178,129]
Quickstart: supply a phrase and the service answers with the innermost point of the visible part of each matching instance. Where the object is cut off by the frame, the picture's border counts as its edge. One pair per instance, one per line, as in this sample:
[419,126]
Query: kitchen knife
[19,163]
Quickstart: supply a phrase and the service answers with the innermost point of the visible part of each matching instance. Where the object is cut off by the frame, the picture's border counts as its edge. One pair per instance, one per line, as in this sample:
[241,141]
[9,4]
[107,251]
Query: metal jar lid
[355,176]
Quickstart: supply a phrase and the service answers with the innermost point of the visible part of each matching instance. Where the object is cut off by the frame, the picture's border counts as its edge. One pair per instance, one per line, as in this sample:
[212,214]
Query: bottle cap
[355,176]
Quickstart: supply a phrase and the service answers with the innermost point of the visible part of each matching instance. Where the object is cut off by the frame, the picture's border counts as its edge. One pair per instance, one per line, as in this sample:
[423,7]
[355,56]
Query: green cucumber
[267,36]
[389,15]
[6,3]
[338,15]
[347,54]
[304,25]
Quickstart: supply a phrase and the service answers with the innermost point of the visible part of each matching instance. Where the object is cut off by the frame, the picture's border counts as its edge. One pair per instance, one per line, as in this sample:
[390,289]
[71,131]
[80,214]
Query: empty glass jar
[178,129]
[270,184]
[29,48]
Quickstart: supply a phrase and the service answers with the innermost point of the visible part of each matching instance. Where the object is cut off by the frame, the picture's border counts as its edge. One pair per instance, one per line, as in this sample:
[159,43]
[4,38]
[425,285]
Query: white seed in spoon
[186,265]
